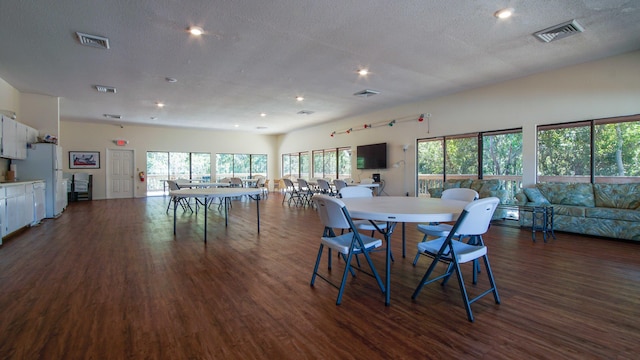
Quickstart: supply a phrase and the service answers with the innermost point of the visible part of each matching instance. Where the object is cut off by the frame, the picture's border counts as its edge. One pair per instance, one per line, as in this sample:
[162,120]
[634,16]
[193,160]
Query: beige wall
[76,136]
[606,88]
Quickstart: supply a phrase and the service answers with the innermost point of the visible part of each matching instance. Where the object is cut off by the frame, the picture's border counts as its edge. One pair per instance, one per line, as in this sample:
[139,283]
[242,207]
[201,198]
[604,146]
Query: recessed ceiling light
[299,98]
[160,104]
[236,125]
[263,114]
[171,80]
[504,13]
[363,72]
[196,30]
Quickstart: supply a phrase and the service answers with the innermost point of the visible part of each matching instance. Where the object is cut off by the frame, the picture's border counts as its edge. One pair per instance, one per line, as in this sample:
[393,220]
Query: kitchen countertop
[18,182]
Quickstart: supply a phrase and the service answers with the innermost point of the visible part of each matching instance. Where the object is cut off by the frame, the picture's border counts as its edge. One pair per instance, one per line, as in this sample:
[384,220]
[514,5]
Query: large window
[485,155]
[295,164]
[604,150]
[332,163]
[162,165]
[240,165]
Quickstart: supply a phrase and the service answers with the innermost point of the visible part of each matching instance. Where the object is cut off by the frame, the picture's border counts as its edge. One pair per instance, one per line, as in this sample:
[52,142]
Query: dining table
[401,209]
[208,194]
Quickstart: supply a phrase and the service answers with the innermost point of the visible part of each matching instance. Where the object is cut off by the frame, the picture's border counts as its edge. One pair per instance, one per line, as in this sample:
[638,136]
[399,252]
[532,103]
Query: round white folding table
[400,209]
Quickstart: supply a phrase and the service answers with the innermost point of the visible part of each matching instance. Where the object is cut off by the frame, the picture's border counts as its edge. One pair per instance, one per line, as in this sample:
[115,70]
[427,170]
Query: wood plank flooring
[108,280]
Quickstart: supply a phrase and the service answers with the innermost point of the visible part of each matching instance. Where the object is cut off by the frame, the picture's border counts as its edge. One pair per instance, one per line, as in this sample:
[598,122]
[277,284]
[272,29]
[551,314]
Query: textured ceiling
[256,56]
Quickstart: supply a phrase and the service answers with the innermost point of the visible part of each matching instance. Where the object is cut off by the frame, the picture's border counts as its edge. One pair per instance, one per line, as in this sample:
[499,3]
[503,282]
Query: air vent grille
[106,89]
[367,93]
[559,31]
[305,112]
[113,116]
[93,40]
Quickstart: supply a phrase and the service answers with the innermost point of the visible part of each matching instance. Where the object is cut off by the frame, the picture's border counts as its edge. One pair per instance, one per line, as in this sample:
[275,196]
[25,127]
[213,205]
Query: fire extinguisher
[141,175]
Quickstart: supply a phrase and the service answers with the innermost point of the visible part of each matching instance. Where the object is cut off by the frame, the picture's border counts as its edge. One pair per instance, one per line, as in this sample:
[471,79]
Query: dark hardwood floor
[108,280]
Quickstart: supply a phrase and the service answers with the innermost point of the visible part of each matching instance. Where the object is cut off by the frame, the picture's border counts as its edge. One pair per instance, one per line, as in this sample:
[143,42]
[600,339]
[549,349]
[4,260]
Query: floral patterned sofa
[485,188]
[610,210]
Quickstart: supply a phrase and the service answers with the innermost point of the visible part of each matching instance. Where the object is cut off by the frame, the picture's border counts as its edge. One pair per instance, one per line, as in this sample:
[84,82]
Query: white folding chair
[305,192]
[324,187]
[177,200]
[439,230]
[339,184]
[291,190]
[334,215]
[473,222]
[365,225]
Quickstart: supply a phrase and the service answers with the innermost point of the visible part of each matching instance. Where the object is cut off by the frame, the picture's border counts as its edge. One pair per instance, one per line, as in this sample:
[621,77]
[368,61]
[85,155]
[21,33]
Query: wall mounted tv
[372,156]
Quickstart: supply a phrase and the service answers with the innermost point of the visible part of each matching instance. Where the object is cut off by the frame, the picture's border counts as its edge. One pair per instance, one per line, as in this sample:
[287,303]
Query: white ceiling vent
[93,40]
[367,93]
[305,112]
[559,31]
[113,116]
[106,89]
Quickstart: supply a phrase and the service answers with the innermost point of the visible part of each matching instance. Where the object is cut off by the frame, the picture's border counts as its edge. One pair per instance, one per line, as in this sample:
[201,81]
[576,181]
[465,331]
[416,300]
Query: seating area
[484,188]
[610,210]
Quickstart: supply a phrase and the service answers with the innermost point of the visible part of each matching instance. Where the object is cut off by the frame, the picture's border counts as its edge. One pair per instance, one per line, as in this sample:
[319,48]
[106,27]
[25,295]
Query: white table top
[215,192]
[404,209]
[369,185]
[205,184]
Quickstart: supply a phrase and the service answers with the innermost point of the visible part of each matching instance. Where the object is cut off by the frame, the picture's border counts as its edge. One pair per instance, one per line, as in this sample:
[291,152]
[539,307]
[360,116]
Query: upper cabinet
[14,139]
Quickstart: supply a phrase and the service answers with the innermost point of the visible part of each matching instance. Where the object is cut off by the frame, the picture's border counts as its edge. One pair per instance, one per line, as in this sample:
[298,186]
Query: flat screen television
[372,156]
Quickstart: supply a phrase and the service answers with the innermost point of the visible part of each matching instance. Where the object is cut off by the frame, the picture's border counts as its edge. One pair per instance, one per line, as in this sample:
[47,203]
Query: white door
[120,174]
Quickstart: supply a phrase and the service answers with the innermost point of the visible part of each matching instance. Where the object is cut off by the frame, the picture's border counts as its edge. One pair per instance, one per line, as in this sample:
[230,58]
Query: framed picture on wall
[84,160]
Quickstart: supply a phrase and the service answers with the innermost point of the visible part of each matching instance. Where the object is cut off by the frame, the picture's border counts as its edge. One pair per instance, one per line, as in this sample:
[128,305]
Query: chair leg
[315,268]
[415,260]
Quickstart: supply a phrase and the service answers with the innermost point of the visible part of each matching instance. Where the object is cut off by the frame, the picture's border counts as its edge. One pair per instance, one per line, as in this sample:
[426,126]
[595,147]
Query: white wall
[41,112]
[606,88]
[77,136]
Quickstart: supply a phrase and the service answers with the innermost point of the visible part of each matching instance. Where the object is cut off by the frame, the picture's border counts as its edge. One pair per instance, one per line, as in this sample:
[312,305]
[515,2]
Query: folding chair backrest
[476,216]
[339,184]
[302,183]
[236,181]
[323,185]
[173,185]
[462,194]
[331,211]
[355,192]
[288,183]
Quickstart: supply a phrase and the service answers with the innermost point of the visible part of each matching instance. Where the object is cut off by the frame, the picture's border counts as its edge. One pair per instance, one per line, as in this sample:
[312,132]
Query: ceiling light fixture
[363,72]
[171,80]
[299,98]
[196,30]
[263,114]
[504,13]
[160,104]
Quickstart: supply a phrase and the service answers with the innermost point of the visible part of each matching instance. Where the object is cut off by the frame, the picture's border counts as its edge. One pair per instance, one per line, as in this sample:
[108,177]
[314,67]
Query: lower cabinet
[17,204]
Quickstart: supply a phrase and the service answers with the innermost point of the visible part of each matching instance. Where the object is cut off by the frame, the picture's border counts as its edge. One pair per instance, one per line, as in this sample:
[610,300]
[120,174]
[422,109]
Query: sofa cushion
[578,194]
[569,210]
[613,214]
[466,183]
[476,185]
[534,195]
[451,184]
[620,196]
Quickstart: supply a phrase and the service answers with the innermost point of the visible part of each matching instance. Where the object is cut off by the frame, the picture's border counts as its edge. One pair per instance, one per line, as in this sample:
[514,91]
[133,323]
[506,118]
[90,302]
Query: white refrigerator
[44,162]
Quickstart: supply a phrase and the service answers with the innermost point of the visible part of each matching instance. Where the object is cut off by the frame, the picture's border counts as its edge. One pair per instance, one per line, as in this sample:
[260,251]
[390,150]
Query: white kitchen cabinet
[21,141]
[18,207]
[14,138]
[3,214]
